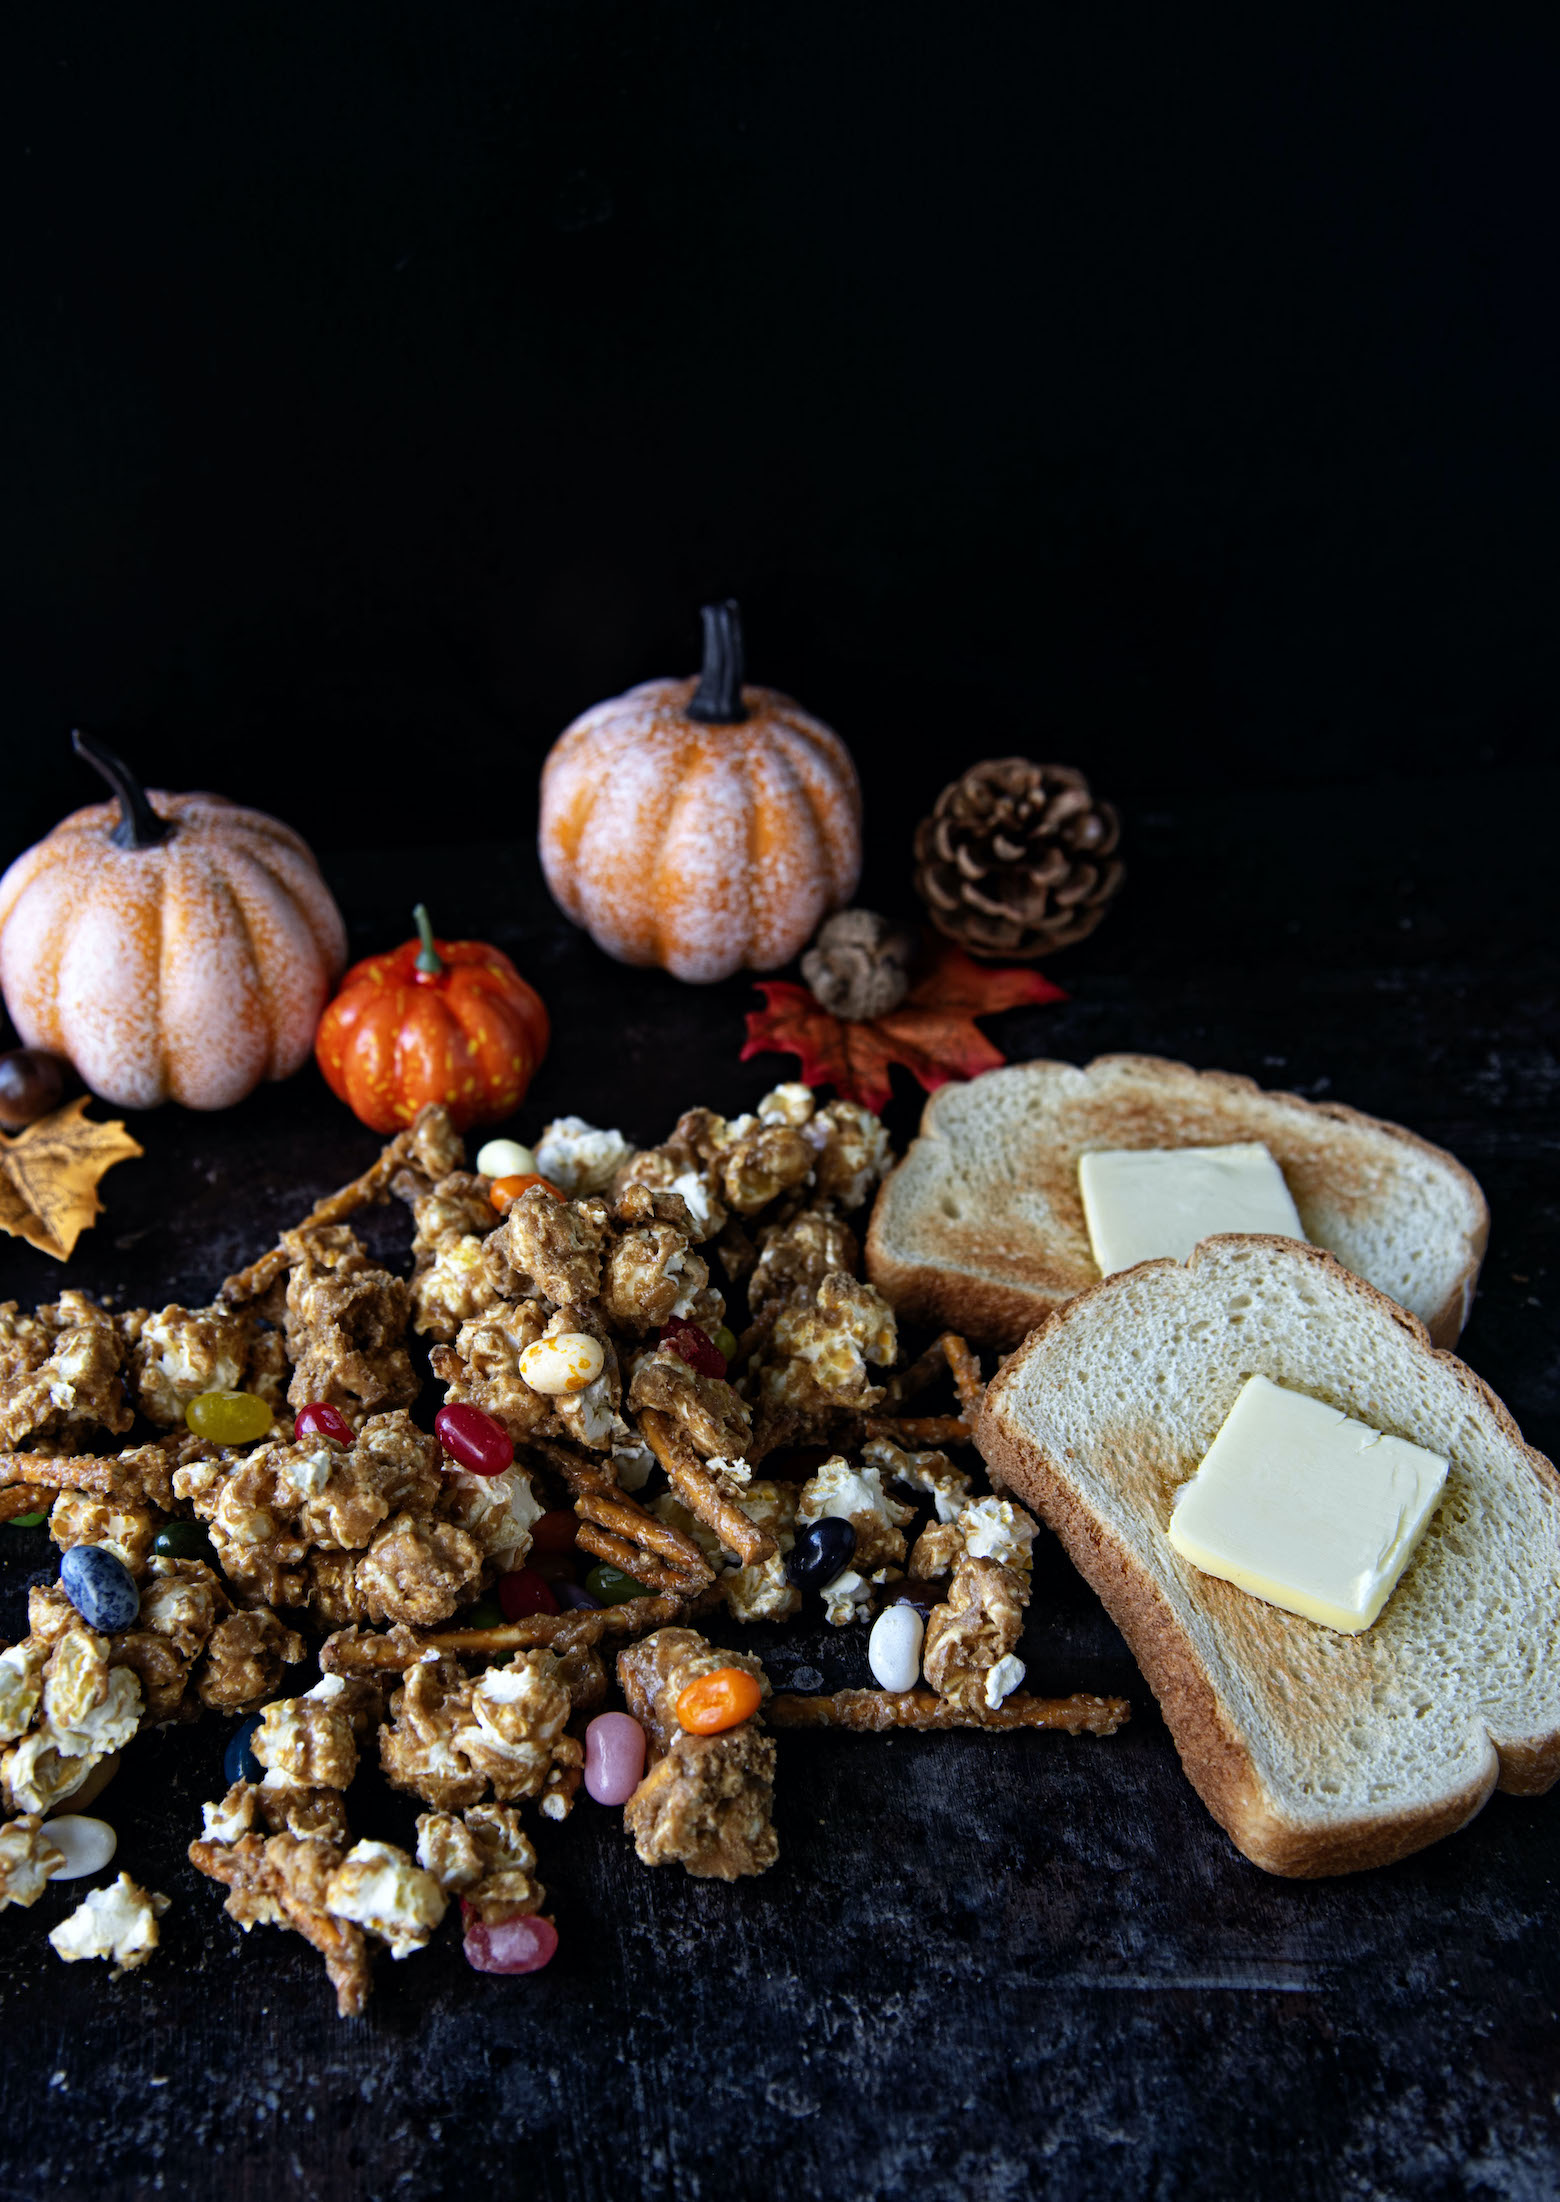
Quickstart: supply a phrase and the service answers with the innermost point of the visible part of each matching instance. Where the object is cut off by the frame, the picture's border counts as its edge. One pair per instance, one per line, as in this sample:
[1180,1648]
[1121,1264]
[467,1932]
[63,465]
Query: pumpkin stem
[139,826]
[717,701]
[429,961]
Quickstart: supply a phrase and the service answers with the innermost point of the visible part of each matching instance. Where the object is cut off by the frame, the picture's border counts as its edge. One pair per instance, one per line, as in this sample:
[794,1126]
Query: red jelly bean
[473,1440]
[508,1945]
[319,1419]
[554,1532]
[524,1592]
[693,1345]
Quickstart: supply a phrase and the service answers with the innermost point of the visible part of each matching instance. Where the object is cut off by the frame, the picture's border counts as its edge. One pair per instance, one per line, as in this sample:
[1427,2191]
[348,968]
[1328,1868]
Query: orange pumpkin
[174,947]
[700,825]
[445,1020]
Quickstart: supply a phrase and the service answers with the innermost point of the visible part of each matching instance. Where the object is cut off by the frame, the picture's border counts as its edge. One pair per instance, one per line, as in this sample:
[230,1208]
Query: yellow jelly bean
[228,1418]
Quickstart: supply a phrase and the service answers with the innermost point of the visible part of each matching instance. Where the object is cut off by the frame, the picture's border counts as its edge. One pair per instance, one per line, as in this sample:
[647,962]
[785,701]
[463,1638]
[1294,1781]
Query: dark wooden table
[984,1967]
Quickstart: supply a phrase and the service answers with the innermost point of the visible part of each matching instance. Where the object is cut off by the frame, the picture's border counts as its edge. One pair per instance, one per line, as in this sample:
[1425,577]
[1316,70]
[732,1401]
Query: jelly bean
[693,1345]
[614,1757]
[507,1190]
[31,1083]
[720,1700]
[473,1440]
[725,1343]
[576,1598]
[894,1648]
[523,1593]
[505,1158]
[568,1361]
[320,1419]
[822,1550]
[87,1845]
[100,1587]
[554,1532]
[229,1418]
[486,1613]
[612,1586]
[509,1945]
[238,1761]
[27,1521]
[184,1541]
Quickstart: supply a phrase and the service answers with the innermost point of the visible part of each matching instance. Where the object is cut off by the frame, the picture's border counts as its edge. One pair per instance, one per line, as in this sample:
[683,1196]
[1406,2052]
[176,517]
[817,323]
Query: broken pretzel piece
[699,1491]
[923,1430]
[869,1712]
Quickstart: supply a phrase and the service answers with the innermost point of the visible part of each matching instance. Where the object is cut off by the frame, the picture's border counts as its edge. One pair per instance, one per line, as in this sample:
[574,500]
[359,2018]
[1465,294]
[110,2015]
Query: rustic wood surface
[984,1967]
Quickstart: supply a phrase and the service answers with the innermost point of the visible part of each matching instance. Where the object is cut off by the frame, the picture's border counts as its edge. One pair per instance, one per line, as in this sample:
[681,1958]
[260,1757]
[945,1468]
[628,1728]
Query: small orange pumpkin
[174,947]
[434,1020]
[700,825]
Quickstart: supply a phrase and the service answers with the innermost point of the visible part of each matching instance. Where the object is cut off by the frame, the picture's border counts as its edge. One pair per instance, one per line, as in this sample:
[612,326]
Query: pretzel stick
[25,1498]
[363,1192]
[701,1494]
[71,1472]
[348,1652]
[912,1431]
[659,1538]
[966,1375]
[633,1560]
[868,1712]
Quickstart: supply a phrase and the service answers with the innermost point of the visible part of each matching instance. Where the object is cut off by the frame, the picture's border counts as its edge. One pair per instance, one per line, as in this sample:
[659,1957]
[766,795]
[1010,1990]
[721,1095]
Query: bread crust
[1216,1756]
[999,1313]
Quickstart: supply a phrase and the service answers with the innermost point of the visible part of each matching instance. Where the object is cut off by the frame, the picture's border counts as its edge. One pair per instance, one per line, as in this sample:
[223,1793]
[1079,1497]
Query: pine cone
[1016,858]
[859,966]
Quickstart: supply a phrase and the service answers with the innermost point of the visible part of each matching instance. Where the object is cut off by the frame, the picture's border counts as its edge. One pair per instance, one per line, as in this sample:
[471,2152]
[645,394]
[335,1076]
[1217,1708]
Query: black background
[1170,390]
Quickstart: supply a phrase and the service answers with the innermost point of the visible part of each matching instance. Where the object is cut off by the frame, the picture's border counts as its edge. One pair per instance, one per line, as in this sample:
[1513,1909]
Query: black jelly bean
[238,1761]
[822,1550]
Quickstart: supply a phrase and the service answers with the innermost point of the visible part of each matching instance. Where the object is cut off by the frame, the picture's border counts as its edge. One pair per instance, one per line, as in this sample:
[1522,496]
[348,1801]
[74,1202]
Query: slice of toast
[981,1226]
[1317,1752]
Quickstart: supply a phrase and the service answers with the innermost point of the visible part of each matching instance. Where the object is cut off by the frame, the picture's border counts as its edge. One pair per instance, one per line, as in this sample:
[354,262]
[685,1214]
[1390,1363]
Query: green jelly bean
[725,1341]
[612,1586]
[486,1613]
[27,1521]
[183,1541]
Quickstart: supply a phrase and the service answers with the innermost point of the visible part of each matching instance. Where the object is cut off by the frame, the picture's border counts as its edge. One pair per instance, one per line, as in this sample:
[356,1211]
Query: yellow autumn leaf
[49,1175]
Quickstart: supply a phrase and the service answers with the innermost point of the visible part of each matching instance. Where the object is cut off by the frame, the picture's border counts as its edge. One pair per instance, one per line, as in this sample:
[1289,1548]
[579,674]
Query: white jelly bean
[505,1158]
[87,1845]
[894,1647]
[569,1362]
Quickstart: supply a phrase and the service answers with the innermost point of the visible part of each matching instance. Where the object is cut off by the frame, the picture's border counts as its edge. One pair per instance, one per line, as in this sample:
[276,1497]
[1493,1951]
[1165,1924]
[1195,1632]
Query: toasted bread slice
[982,1226]
[1317,1752]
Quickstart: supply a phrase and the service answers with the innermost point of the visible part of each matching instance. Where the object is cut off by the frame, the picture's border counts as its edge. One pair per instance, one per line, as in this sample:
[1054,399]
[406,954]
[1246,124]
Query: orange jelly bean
[720,1700]
[507,1190]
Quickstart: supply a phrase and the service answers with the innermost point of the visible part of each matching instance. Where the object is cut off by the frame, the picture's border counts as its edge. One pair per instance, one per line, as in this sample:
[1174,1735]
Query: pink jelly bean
[614,1757]
[509,1945]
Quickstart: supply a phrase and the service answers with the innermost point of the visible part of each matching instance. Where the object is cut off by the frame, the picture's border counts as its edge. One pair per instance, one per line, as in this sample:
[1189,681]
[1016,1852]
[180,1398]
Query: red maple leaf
[932,1033]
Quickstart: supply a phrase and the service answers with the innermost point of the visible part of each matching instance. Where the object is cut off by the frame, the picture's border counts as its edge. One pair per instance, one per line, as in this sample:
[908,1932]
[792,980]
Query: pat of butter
[1143,1204]
[1306,1508]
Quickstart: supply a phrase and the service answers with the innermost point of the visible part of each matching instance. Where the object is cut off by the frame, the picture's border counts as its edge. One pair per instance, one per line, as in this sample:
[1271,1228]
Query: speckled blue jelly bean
[238,1761]
[100,1587]
[822,1550]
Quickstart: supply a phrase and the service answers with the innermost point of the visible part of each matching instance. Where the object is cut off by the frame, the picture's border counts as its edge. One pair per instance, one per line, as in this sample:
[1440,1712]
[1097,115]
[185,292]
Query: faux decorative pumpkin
[700,825]
[434,1020]
[174,947]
